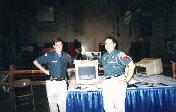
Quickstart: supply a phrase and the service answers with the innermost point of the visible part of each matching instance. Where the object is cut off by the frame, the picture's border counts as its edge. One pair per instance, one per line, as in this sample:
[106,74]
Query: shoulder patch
[124,56]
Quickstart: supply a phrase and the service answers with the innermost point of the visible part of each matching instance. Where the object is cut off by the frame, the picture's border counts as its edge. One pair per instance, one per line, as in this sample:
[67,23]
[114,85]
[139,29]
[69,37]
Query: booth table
[149,99]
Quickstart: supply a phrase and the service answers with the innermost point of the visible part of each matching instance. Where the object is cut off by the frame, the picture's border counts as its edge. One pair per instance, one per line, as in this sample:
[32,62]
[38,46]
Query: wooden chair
[23,95]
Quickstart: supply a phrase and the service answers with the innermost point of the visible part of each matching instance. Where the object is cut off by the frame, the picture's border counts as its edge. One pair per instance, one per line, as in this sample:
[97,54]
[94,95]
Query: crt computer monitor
[87,72]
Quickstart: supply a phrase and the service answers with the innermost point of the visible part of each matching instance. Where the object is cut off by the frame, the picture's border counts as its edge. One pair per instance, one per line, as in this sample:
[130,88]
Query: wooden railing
[13,72]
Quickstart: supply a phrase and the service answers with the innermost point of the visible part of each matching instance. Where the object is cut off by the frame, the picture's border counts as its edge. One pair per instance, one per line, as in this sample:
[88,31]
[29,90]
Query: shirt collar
[58,54]
[113,52]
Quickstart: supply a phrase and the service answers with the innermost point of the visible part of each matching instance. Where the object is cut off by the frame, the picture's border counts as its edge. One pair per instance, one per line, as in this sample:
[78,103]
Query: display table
[149,99]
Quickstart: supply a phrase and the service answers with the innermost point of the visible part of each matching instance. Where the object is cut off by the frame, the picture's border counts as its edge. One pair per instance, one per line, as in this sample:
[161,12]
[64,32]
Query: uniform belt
[57,78]
[109,77]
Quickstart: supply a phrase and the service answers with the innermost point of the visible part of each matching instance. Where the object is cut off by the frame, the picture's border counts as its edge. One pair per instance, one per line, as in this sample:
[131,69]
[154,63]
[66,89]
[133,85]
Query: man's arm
[130,71]
[39,66]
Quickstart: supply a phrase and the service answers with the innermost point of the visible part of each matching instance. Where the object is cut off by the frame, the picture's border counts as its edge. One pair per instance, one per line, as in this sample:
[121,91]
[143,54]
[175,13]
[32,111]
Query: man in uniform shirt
[56,87]
[118,70]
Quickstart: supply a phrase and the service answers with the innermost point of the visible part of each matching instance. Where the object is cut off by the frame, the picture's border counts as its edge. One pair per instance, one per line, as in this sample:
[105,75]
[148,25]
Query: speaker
[102,48]
[140,50]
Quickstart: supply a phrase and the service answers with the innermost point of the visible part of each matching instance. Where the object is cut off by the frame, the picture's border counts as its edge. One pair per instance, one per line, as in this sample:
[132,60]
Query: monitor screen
[87,72]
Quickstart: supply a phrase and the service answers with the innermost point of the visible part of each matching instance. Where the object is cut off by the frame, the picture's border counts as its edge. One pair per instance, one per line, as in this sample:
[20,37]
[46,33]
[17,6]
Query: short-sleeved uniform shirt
[114,64]
[57,64]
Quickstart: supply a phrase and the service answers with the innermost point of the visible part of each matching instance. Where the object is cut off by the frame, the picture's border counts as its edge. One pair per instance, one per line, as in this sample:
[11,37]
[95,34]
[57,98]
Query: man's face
[109,45]
[58,46]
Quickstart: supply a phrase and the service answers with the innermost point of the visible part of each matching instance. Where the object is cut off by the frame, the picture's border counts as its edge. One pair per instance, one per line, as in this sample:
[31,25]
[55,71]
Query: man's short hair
[57,40]
[112,38]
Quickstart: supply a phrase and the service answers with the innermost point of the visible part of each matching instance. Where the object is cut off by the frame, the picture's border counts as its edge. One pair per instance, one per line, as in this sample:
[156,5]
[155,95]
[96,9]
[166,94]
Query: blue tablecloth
[161,99]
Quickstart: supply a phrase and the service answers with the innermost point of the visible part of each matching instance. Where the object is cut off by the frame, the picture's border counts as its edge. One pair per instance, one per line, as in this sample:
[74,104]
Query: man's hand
[47,72]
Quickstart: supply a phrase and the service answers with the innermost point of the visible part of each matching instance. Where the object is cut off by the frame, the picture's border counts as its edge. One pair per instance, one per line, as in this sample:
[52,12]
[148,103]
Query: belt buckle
[59,79]
[109,77]
[116,76]
[56,79]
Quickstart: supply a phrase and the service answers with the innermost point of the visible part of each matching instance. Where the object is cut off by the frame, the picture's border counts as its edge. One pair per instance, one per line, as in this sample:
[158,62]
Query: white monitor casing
[86,72]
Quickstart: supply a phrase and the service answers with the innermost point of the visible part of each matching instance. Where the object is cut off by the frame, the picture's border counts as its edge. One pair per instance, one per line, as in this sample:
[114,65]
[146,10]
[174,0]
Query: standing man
[118,70]
[57,62]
